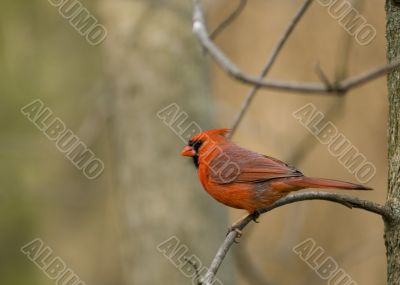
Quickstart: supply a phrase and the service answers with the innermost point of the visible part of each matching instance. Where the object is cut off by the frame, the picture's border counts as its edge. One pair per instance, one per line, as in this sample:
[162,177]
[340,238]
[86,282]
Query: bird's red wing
[254,167]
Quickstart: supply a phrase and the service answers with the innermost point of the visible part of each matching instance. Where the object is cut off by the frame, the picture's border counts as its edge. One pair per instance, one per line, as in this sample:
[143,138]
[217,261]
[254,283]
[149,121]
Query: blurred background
[107,230]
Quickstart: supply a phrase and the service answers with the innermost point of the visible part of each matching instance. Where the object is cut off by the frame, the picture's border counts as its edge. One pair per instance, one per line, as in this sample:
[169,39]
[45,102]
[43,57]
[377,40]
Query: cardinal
[243,179]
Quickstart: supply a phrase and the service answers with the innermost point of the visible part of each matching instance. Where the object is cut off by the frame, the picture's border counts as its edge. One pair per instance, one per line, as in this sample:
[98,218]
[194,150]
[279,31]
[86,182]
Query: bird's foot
[234,228]
[239,233]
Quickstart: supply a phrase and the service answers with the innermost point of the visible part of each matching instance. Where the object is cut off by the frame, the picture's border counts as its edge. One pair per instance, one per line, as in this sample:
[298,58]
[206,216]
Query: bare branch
[280,44]
[348,201]
[230,68]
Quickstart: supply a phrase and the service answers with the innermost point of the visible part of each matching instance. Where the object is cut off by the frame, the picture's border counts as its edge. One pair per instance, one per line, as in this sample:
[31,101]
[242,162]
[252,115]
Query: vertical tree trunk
[152,61]
[392,230]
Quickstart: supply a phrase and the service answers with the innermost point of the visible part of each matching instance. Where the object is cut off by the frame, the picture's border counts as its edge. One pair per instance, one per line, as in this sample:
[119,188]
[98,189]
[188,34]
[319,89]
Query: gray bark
[392,230]
[152,61]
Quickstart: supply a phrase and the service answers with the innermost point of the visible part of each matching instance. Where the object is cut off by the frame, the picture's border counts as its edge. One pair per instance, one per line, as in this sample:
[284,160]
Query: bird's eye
[196,145]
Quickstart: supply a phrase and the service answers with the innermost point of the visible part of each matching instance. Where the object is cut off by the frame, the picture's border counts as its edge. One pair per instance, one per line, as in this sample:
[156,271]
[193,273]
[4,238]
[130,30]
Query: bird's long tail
[310,182]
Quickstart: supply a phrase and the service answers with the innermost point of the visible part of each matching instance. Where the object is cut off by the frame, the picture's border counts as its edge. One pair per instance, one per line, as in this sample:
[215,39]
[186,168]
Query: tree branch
[345,200]
[230,68]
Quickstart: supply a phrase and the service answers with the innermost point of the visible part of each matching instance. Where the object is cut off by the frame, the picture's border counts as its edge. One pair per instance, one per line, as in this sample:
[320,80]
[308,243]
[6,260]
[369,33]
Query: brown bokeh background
[86,223]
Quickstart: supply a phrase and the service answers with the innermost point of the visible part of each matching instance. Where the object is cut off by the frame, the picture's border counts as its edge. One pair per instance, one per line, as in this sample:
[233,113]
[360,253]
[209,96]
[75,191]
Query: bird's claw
[239,233]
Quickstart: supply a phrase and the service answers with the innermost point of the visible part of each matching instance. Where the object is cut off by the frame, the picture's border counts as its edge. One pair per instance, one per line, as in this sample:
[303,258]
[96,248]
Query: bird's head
[199,142]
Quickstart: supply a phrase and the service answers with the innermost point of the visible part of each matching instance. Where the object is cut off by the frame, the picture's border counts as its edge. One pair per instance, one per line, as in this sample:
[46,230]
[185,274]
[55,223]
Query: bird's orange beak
[188,151]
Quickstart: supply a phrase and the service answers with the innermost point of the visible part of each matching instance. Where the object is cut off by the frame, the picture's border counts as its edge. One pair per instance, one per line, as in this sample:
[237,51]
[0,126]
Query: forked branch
[199,29]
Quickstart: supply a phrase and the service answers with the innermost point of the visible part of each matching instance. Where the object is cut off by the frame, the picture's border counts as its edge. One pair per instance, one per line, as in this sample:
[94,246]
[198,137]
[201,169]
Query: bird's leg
[256,215]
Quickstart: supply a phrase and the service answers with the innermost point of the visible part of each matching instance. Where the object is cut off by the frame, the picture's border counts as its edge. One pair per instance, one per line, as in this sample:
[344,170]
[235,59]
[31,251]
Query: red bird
[244,179]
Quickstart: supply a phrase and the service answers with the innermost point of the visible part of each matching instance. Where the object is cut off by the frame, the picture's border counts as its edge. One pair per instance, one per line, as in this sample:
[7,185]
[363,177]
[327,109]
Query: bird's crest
[210,133]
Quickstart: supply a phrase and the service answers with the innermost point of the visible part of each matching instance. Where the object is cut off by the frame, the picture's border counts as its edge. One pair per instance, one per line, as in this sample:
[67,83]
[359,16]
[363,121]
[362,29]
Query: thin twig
[271,60]
[232,17]
[291,86]
[348,201]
